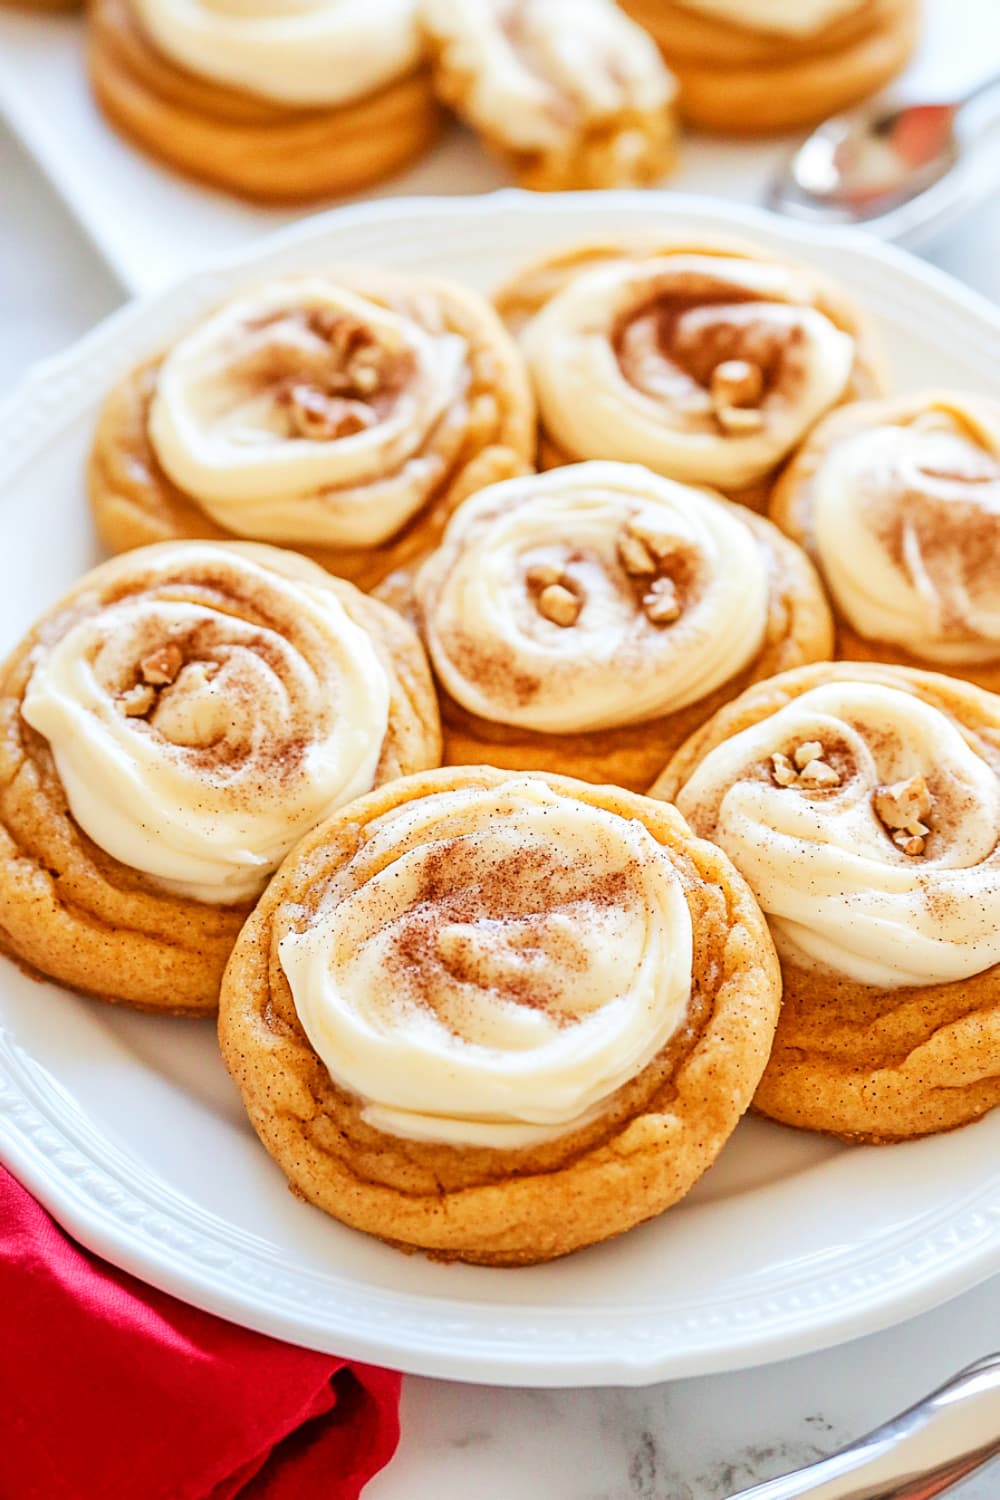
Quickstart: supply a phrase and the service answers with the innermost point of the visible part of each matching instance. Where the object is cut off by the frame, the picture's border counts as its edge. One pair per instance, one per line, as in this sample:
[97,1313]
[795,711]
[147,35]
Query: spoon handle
[914,1456]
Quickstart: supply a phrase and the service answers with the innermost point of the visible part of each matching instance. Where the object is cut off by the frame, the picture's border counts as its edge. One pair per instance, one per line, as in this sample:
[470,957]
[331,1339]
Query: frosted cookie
[862,804]
[585,620]
[169,730]
[581,999]
[278,103]
[703,359]
[568,93]
[898,504]
[344,414]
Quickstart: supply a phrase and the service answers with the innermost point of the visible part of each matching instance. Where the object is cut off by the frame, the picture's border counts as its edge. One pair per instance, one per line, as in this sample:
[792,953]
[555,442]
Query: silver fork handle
[914,1456]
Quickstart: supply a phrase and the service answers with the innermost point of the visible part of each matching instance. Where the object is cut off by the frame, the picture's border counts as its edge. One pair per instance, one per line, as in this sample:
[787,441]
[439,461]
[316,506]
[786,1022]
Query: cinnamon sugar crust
[493,1206]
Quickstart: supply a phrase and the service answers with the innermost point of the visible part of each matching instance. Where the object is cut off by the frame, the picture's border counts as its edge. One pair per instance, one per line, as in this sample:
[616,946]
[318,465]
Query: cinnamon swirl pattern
[171,729]
[343,414]
[570,93]
[582,997]
[898,502]
[276,102]
[862,804]
[707,362]
[586,619]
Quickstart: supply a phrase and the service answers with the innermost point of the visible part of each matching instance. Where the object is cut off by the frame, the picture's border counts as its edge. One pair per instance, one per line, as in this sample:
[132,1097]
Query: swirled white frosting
[907,527]
[836,890]
[787,17]
[294,52]
[500,657]
[623,354]
[219,421]
[494,964]
[538,70]
[274,719]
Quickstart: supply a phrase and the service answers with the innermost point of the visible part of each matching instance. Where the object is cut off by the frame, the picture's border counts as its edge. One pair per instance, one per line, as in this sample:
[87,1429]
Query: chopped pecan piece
[903,803]
[559,604]
[806,767]
[635,557]
[138,700]
[162,666]
[661,603]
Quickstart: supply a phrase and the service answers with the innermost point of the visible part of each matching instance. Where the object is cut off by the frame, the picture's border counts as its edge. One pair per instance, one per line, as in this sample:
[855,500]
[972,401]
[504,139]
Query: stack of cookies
[288,104]
[541,731]
[292,104]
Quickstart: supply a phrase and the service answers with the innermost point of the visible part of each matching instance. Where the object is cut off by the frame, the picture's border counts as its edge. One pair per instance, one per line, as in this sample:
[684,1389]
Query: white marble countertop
[689,1440]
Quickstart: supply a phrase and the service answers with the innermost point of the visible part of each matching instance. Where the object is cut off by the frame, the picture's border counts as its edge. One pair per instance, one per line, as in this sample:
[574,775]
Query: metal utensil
[914,1456]
[863,164]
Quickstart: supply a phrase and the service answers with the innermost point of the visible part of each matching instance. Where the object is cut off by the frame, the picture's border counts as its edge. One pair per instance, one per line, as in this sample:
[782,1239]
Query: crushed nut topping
[363,375]
[557,598]
[559,604]
[635,557]
[806,767]
[321,418]
[359,354]
[659,544]
[910,843]
[903,802]
[818,773]
[736,387]
[811,750]
[737,382]
[782,770]
[738,419]
[902,808]
[137,701]
[346,335]
[661,603]
[643,551]
[540,575]
[162,666]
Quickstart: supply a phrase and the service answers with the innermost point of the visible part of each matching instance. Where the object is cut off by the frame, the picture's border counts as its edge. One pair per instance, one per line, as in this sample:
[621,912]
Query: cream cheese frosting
[538,72]
[494,965]
[837,891]
[295,52]
[482,598]
[302,412]
[627,356]
[795,18]
[209,716]
[907,531]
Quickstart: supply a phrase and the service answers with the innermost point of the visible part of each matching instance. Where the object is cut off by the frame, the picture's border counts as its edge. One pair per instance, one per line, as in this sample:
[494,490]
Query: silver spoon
[860,165]
[917,1455]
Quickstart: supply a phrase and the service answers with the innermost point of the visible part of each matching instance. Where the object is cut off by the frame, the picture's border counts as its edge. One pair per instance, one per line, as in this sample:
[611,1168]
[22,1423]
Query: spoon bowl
[861,165]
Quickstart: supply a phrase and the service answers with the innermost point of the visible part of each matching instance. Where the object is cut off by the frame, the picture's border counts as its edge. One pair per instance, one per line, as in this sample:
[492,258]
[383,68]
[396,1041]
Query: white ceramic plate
[152,225]
[127,1127]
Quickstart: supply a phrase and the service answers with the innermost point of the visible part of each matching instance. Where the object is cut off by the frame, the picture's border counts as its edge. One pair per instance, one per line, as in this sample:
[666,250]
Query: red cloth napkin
[110,1390]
